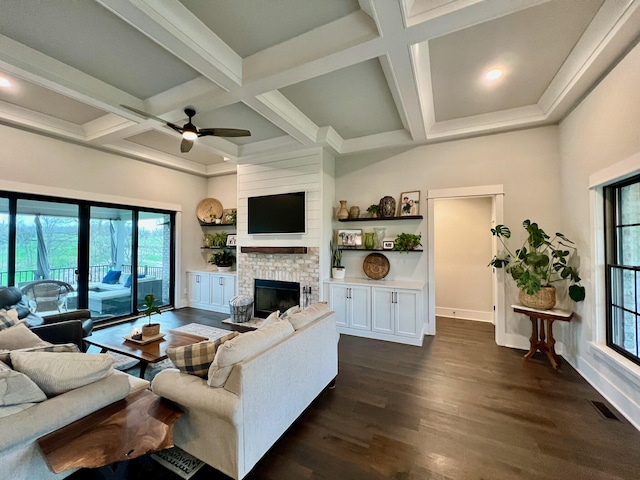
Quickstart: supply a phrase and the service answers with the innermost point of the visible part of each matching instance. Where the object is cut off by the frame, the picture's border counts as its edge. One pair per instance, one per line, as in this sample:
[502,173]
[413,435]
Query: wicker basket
[241,308]
[150,330]
[545,299]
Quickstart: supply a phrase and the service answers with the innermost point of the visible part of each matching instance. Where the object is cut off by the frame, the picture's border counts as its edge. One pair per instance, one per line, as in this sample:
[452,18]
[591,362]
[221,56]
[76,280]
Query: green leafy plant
[540,261]
[219,239]
[223,258]
[150,307]
[407,241]
[336,256]
[374,209]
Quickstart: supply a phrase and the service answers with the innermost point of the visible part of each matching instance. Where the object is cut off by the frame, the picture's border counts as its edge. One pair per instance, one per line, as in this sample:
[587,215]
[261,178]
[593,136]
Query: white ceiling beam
[271,146]
[20,116]
[276,108]
[172,26]
[156,157]
[105,125]
[379,140]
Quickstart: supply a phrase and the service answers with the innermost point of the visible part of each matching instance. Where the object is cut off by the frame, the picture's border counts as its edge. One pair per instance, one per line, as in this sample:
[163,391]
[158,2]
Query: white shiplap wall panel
[284,174]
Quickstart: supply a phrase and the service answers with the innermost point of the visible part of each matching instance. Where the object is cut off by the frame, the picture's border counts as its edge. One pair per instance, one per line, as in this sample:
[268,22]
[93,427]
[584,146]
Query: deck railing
[68,274]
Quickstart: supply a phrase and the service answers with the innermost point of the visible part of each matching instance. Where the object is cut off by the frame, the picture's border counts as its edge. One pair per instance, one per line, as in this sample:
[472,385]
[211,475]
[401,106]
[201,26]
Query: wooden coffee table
[108,438]
[112,339]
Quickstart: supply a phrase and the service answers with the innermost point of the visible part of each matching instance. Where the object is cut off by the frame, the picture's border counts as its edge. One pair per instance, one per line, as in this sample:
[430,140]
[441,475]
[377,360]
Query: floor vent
[604,410]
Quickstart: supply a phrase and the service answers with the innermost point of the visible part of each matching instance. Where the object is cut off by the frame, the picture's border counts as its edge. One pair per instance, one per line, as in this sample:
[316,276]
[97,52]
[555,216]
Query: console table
[538,340]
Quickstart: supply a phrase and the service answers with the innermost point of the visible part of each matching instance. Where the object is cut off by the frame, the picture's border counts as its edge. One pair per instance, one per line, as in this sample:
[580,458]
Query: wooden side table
[538,340]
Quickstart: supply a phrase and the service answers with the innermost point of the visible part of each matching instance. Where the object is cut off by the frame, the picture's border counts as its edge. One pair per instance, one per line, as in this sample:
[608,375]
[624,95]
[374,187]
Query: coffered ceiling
[351,76]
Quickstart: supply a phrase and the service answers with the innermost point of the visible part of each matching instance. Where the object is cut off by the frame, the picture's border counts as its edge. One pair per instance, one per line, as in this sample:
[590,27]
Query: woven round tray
[208,207]
[376,266]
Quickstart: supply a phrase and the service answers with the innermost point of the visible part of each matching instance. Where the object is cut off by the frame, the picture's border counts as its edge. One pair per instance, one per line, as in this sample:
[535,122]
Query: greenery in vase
[407,241]
[150,307]
[374,209]
[336,256]
[540,261]
[223,258]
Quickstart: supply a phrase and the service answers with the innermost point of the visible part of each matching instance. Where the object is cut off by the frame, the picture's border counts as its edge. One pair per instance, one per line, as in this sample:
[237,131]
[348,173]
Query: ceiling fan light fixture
[4,82]
[493,74]
[189,135]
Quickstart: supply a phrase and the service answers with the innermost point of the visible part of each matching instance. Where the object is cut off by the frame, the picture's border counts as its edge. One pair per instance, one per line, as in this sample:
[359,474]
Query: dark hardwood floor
[459,407]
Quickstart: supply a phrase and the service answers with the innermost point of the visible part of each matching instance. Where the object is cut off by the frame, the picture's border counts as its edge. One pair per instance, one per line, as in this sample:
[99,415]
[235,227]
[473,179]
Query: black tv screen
[282,213]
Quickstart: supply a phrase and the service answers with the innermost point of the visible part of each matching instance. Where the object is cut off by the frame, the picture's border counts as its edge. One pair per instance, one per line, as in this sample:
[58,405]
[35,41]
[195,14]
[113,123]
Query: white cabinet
[392,312]
[223,289]
[198,289]
[395,311]
[352,305]
[211,290]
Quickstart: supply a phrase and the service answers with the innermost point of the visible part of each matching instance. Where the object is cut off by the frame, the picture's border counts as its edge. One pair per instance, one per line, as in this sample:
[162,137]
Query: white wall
[462,250]
[603,130]
[526,162]
[225,189]
[59,168]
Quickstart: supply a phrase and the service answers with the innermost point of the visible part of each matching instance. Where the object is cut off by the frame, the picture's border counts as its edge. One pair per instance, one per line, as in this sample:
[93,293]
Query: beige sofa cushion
[244,346]
[16,388]
[196,359]
[57,373]
[5,355]
[19,336]
[308,315]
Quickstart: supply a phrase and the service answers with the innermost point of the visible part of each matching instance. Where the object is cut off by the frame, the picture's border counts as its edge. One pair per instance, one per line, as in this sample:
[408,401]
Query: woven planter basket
[545,299]
[150,330]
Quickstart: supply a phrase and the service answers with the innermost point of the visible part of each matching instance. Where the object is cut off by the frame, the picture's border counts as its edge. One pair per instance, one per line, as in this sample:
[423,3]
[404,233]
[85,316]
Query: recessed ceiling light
[494,74]
[4,82]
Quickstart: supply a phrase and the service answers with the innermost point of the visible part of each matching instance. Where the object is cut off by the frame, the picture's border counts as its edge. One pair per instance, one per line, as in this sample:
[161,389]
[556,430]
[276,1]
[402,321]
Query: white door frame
[496,193]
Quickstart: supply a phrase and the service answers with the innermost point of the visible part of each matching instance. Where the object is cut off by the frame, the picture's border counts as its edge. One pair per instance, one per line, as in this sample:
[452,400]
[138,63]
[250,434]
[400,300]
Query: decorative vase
[387,207]
[545,299]
[338,272]
[369,240]
[342,211]
[224,269]
[150,330]
[354,212]
[379,234]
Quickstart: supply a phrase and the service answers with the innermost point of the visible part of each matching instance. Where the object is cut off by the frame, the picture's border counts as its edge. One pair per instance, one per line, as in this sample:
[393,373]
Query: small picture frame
[228,216]
[350,238]
[409,204]
[387,244]
[231,240]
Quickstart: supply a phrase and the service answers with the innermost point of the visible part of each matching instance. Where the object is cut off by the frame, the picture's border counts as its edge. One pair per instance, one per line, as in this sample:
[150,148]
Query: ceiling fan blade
[186,145]
[148,115]
[224,132]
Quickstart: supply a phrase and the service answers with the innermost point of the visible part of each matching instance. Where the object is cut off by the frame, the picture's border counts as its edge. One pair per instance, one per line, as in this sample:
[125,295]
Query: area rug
[210,333]
[178,461]
[254,323]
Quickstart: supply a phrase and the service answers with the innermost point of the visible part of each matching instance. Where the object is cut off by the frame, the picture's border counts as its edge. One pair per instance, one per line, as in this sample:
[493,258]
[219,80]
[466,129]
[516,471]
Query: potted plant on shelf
[540,261]
[374,210]
[150,329]
[223,259]
[406,242]
[337,270]
[219,239]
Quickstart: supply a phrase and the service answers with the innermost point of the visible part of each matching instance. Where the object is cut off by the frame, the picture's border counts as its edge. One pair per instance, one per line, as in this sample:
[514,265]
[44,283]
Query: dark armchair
[64,327]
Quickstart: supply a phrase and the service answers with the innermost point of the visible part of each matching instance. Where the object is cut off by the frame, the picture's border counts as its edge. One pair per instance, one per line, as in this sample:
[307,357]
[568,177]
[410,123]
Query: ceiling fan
[189,131]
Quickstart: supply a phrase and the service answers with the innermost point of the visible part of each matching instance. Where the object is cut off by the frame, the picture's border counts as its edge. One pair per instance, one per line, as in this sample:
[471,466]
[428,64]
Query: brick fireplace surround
[301,268]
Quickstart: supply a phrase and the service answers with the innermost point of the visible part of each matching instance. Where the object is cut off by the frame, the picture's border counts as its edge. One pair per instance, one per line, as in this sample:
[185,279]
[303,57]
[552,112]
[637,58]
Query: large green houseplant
[539,262]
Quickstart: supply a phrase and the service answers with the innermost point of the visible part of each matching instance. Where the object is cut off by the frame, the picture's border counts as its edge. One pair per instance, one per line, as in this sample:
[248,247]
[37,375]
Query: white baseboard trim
[605,374]
[476,315]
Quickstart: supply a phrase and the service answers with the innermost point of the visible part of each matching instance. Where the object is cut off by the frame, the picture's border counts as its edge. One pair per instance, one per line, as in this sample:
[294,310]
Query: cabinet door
[383,313]
[359,307]
[407,309]
[217,290]
[339,301]
[228,289]
[198,291]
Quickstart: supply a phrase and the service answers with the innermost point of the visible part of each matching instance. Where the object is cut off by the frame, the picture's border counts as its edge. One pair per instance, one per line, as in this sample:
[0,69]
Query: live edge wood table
[538,340]
[108,438]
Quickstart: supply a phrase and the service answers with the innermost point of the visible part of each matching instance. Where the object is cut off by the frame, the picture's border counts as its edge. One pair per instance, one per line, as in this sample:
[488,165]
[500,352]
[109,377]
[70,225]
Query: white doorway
[493,194]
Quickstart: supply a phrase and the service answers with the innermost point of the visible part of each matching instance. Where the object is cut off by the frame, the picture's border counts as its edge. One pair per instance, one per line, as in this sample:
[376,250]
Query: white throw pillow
[308,315]
[19,336]
[57,373]
[16,388]
[244,346]
[290,311]
[5,355]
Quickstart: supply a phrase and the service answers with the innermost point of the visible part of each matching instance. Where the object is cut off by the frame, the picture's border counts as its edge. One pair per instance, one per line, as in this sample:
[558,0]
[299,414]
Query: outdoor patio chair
[47,295]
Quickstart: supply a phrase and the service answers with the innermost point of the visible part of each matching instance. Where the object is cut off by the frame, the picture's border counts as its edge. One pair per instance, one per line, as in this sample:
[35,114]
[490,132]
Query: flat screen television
[273,214]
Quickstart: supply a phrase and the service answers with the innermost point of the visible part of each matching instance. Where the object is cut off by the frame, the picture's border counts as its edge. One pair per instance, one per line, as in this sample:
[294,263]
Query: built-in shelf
[218,248]
[376,250]
[381,219]
[227,225]
[276,250]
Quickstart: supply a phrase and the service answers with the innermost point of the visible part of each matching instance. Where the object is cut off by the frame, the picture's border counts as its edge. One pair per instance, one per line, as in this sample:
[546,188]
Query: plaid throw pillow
[195,359]
[8,318]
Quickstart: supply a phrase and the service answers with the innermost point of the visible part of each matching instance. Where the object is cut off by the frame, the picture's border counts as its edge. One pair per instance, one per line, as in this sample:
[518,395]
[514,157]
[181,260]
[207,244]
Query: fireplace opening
[272,295]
